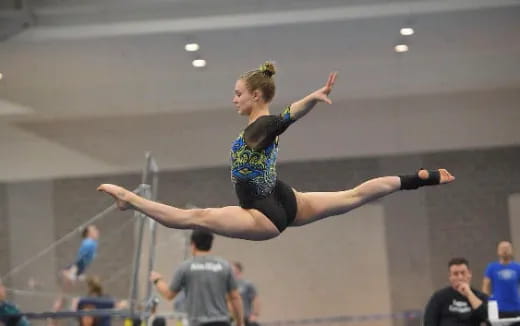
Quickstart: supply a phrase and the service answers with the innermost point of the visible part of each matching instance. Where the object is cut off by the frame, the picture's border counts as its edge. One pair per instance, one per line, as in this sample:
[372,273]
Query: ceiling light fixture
[401,48]
[199,63]
[407,31]
[192,47]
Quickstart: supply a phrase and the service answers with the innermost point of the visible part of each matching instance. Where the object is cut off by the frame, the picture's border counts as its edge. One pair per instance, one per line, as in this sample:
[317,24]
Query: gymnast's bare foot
[120,195]
[445,176]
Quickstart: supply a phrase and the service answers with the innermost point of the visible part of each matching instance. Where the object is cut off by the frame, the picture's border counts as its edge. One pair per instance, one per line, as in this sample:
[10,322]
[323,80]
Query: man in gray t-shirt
[249,296]
[207,282]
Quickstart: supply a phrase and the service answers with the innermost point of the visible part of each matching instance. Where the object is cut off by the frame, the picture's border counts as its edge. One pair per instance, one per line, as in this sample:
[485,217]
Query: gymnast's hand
[322,94]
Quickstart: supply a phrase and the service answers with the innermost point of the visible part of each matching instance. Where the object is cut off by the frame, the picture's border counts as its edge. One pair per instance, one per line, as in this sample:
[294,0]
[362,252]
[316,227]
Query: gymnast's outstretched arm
[306,104]
[262,132]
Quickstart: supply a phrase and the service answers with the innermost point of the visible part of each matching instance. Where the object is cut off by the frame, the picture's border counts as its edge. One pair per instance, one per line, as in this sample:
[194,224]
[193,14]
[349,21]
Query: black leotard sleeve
[264,130]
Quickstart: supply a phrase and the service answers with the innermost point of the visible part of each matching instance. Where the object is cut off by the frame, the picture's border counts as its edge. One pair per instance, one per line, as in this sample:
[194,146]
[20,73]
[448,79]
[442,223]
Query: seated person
[95,300]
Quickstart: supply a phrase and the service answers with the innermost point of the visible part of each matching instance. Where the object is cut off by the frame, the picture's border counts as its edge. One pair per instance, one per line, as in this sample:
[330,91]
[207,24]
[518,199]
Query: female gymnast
[267,206]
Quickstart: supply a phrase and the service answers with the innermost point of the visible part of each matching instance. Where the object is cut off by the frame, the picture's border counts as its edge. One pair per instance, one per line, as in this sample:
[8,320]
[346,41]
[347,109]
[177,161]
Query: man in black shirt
[457,304]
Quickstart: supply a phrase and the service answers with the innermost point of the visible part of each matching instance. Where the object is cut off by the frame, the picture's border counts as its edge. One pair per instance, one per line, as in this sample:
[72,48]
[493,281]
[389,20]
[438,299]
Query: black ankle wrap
[413,181]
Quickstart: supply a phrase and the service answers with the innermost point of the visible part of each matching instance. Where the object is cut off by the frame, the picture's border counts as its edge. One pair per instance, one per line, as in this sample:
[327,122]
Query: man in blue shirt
[502,279]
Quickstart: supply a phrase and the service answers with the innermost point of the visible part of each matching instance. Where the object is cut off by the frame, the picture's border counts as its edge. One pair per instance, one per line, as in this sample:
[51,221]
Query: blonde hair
[261,79]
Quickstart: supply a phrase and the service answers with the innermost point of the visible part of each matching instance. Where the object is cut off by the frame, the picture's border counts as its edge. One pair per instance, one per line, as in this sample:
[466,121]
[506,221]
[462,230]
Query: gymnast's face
[93,232]
[244,100]
[459,274]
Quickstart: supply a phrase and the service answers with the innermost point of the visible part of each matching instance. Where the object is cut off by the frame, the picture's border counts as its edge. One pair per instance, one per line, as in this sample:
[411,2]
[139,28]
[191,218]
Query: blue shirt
[505,279]
[86,254]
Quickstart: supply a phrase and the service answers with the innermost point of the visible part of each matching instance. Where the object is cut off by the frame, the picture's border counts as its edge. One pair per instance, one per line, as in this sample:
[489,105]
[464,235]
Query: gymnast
[267,206]
[85,256]
[75,272]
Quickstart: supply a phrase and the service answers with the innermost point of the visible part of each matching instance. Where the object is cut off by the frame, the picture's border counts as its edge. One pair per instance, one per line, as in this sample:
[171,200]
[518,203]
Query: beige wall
[514,220]
[31,230]
[350,129]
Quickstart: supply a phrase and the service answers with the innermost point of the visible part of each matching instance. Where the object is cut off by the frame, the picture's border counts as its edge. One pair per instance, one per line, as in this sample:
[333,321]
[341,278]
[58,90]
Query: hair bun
[268,69]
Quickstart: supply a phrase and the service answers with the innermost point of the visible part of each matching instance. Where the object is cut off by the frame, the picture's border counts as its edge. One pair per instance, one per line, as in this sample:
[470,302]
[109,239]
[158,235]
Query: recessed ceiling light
[192,47]
[401,48]
[406,31]
[199,63]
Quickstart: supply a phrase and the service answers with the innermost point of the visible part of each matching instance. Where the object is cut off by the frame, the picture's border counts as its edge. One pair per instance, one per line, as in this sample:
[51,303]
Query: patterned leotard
[253,169]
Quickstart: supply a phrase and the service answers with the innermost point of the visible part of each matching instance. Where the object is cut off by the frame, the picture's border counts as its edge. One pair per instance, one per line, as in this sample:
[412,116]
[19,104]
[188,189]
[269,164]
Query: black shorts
[279,206]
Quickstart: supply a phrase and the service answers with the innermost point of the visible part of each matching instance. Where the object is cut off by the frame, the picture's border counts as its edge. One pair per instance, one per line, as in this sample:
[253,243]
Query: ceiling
[90,85]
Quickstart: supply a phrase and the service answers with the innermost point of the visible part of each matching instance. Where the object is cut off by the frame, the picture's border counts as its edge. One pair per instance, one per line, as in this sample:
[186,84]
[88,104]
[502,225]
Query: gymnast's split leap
[267,206]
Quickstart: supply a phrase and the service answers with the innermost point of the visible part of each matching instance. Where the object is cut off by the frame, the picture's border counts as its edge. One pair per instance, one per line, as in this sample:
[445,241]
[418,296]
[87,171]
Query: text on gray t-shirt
[206,280]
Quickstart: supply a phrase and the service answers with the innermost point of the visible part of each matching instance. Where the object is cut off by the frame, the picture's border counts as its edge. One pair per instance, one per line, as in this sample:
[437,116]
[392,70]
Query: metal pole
[134,290]
[151,263]
[146,169]
[153,227]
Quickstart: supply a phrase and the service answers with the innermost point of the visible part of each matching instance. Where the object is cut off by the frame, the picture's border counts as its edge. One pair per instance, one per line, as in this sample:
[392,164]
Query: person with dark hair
[7,310]
[94,300]
[207,282]
[502,279]
[249,295]
[267,206]
[88,320]
[458,304]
